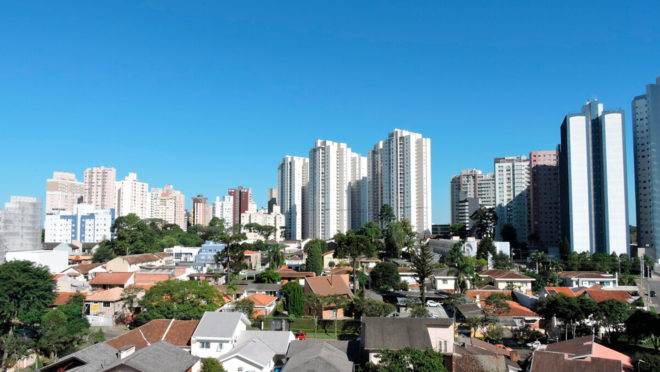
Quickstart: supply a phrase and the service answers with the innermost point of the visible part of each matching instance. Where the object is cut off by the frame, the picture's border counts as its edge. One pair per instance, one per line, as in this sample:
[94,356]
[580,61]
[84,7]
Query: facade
[262,217]
[224,210]
[272,198]
[512,195]
[63,191]
[593,181]
[329,206]
[399,172]
[55,261]
[201,211]
[20,225]
[470,190]
[169,205]
[100,187]
[292,181]
[359,186]
[646,140]
[242,198]
[133,197]
[84,224]
[545,216]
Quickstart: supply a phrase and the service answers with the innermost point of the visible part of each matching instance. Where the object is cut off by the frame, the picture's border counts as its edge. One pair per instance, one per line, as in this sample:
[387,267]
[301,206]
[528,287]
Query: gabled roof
[505,275]
[89,359]
[515,309]
[261,299]
[254,351]
[146,278]
[600,295]
[219,324]
[144,257]
[557,290]
[158,357]
[586,347]
[397,333]
[84,268]
[328,285]
[543,361]
[318,356]
[175,332]
[62,298]
[111,278]
[112,294]
[278,341]
[290,274]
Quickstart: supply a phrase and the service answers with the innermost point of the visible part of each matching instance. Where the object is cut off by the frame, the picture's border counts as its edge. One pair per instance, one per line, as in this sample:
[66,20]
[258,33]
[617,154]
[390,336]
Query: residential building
[133,197]
[545,216]
[470,190]
[105,308]
[63,191]
[359,188]
[161,356]
[326,355]
[397,333]
[258,351]
[20,225]
[100,187]
[205,258]
[444,279]
[201,211]
[580,354]
[593,193]
[224,210]
[588,278]
[217,333]
[502,279]
[292,183]
[646,141]
[183,254]
[329,285]
[263,218]
[110,280]
[85,272]
[263,304]
[328,210]
[84,223]
[272,198]
[399,173]
[169,205]
[175,332]
[512,195]
[134,262]
[55,261]
[92,358]
[242,198]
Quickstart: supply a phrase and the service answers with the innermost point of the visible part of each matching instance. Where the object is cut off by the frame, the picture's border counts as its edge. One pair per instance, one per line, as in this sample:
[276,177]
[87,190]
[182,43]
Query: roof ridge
[168,329]
[145,339]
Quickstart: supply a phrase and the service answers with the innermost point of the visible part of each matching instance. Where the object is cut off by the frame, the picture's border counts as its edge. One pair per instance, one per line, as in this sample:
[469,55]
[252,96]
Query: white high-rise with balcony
[169,205]
[400,175]
[512,181]
[292,180]
[224,210]
[63,191]
[100,187]
[133,197]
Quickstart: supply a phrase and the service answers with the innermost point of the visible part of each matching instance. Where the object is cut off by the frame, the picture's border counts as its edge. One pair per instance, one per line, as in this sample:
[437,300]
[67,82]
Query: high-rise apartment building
[593,180]
[400,176]
[263,218]
[63,191]
[646,140]
[272,198]
[169,205]
[200,210]
[292,180]
[132,197]
[329,189]
[20,225]
[83,224]
[512,195]
[545,216]
[470,190]
[242,199]
[224,210]
[100,187]
[359,184]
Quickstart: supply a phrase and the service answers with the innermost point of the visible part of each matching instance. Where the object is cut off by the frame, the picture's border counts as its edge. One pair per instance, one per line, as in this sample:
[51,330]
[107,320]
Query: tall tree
[314,261]
[246,307]
[486,222]
[611,315]
[268,276]
[395,240]
[385,275]
[294,299]
[459,229]
[486,247]
[461,266]
[538,257]
[352,246]
[386,215]
[452,302]
[53,337]
[422,264]
[275,257]
[373,233]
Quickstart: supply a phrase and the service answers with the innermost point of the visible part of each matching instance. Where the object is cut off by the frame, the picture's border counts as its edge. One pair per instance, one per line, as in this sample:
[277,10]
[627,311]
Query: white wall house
[217,333]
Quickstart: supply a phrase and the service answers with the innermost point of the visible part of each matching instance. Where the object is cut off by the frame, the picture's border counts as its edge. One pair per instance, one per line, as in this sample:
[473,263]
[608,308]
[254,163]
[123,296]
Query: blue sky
[210,95]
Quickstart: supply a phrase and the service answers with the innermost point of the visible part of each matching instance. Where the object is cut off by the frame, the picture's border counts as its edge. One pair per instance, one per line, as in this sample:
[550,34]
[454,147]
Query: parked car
[534,345]
[431,303]
[652,293]
[300,335]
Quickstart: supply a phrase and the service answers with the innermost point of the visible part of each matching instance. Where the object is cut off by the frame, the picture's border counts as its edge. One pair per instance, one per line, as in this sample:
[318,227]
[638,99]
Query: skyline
[273,80]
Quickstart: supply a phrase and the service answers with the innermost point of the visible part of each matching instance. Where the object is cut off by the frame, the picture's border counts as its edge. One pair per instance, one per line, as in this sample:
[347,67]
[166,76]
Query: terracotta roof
[61,298]
[261,299]
[176,332]
[586,274]
[249,252]
[111,279]
[112,294]
[557,290]
[489,347]
[484,293]
[515,309]
[504,274]
[145,257]
[328,285]
[548,361]
[84,268]
[600,295]
[332,251]
[341,270]
[150,278]
[286,274]
[405,270]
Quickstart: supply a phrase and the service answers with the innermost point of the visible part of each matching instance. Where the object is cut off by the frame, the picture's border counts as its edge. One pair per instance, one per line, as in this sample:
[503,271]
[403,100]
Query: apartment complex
[292,180]
[242,198]
[200,210]
[470,190]
[132,197]
[224,209]
[168,204]
[545,216]
[20,225]
[512,182]
[593,180]
[100,187]
[83,223]
[63,191]
[646,140]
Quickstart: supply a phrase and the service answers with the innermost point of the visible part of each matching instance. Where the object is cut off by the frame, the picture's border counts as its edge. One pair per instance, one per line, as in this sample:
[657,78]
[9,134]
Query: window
[204,345]
[106,304]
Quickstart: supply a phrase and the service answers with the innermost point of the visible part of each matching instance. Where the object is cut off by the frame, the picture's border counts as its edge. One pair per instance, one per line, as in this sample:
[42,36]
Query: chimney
[125,351]
[478,302]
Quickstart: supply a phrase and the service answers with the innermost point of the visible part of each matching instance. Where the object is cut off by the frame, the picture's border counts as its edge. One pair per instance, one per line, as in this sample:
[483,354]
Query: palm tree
[275,257]
[461,266]
[538,257]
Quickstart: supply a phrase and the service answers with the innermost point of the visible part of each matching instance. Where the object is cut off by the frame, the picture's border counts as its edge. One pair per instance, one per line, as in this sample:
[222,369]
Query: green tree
[53,337]
[452,302]
[564,248]
[611,315]
[385,275]
[314,303]
[408,359]
[498,302]
[495,333]
[212,365]
[104,252]
[294,299]
[373,233]
[538,257]
[418,311]
[98,336]
[314,261]
[573,261]
[502,261]
[76,323]
[642,325]
[570,310]
[245,306]
[182,300]
[460,266]
[275,257]
[13,347]
[459,229]
[268,276]
[510,235]
[422,264]
[647,362]
[395,239]
[370,308]
[386,215]
[352,246]
[486,247]
[486,221]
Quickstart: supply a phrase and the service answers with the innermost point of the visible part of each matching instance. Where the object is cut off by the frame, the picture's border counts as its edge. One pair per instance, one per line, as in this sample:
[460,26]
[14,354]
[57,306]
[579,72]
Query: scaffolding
[20,225]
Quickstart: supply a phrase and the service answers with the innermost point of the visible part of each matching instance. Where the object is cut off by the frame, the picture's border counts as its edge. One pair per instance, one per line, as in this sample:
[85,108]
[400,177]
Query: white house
[443,280]
[183,254]
[217,333]
[56,261]
[259,351]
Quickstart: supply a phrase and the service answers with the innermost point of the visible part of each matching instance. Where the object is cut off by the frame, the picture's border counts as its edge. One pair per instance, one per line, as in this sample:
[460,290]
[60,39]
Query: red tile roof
[84,268]
[111,279]
[328,285]
[176,332]
[557,290]
[150,278]
[332,251]
[515,309]
[504,274]
[261,299]
[484,293]
[247,253]
[63,297]
[600,295]
[112,294]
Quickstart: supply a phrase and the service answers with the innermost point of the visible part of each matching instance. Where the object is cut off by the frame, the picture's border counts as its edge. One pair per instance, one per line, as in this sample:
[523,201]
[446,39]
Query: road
[653,285]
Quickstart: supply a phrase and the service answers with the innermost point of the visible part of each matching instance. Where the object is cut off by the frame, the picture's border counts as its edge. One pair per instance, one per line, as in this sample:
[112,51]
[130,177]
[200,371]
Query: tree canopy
[352,246]
[422,264]
[294,300]
[385,275]
[268,276]
[314,261]
[408,359]
[26,292]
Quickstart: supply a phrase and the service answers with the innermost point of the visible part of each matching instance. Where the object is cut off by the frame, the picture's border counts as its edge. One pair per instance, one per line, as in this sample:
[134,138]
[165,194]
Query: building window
[106,304]
[204,345]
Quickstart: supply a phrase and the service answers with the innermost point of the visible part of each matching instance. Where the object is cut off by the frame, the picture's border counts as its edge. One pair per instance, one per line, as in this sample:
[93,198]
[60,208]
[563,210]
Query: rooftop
[219,324]
[111,278]
[175,332]
[161,356]
[112,294]
[327,356]
[329,285]
[543,361]
[504,274]
[261,299]
[397,333]
[586,275]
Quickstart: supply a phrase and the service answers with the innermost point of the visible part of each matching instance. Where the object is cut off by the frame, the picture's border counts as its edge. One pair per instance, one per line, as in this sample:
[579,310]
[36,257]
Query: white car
[534,345]
[431,303]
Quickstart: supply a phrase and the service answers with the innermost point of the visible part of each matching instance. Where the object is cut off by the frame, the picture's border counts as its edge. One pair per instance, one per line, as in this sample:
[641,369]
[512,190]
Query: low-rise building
[105,308]
[134,262]
[182,254]
[588,278]
[217,333]
[503,279]
[580,354]
[112,280]
[55,261]
[327,356]
[444,279]
[329,285]
[84,272]
[158,357]
[175,332]
[259,351]
[263,304]
[253,259]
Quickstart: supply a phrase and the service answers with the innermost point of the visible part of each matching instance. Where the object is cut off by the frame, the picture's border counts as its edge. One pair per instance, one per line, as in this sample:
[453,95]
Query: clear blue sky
[208,96]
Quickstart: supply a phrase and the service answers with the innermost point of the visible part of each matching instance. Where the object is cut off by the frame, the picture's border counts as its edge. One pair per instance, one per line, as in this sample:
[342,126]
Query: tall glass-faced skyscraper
[593,180]
[646,139]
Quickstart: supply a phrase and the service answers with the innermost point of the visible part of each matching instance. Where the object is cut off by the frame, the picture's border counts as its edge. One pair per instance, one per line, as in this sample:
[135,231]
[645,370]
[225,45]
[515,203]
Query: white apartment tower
[169,205]
[359,191]
[20,225]
[512,182]
[292,180]
[646,140]
[593,181]
[84,224]
[224,210]
[400,175]
[470,190]
[63,191]
[133,197]
[329,189]
[100,187]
